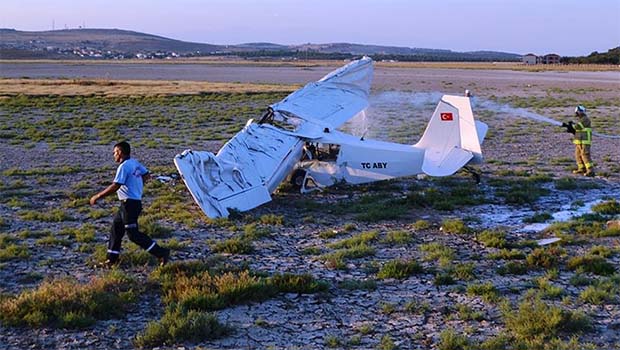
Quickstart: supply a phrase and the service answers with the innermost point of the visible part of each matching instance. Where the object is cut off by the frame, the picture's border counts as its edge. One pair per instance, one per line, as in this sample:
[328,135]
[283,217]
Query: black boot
[162,254]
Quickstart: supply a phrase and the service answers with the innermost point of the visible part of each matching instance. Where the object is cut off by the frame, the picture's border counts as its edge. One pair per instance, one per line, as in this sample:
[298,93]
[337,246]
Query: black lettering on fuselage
[376,165]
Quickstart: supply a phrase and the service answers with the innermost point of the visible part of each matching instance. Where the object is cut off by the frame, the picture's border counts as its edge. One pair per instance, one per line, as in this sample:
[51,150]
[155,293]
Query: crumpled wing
[245,171]
[334,99]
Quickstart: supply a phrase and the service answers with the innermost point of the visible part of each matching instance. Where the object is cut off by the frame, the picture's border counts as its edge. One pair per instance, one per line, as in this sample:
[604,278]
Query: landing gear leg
[475,174]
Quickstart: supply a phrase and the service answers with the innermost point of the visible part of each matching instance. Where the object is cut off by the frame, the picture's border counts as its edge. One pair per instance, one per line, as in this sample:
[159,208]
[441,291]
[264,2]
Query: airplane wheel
[297,179]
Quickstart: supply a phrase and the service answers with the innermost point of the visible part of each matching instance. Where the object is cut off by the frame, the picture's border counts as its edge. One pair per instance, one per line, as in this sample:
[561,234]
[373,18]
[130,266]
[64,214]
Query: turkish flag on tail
[446,117]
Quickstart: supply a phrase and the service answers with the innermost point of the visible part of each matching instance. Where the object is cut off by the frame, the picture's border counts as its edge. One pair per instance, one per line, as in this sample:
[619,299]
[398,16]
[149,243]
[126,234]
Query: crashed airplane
[312,153]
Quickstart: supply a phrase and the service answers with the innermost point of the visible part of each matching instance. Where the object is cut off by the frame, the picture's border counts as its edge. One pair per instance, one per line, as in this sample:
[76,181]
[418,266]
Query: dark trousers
[126,221]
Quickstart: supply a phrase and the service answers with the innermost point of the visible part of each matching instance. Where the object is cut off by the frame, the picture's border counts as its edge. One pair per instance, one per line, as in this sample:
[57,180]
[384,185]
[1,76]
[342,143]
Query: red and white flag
[446,117]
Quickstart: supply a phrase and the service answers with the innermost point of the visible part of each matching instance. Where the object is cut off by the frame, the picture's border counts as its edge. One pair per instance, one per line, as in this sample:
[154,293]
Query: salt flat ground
[56,152]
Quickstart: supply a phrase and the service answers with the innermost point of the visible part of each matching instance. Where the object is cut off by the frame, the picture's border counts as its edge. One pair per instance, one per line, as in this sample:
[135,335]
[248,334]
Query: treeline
[610,57]
[421,57]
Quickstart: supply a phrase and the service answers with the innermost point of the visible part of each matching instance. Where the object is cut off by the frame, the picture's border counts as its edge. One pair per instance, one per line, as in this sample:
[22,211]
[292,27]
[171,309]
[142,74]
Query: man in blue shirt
[128,185]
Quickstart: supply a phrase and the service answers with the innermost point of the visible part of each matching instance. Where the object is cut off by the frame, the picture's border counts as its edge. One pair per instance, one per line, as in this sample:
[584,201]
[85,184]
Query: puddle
[559,204]
[567,213]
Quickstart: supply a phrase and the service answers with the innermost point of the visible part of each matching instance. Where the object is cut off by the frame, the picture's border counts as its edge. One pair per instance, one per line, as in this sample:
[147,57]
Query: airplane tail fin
[452,137]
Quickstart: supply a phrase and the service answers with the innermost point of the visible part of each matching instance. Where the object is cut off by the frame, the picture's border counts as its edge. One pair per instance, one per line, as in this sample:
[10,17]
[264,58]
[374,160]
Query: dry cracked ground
[413,263]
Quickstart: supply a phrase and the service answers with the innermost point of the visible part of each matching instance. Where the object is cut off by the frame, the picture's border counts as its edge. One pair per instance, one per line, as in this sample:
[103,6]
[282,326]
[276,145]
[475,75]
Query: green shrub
[53,215]
[302,284]
[505,254]
[450,340]
[487,291]
[399,269]
[387,343]
[337,258]
[177,326]
[443,279]
[65,303]
[272,219]
[421,225]
[545,257]
[464,272]
[398,238]
[538,217]
[605,291]
[236,245]
[359,239]
[492,238]
[512,268]
[535,322]
[437,251]
[455,226]
[591,263]
[611,207]
[253,231]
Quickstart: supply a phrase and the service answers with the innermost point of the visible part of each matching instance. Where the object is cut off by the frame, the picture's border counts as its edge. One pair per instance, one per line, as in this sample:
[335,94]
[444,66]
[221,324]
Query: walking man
[128,185]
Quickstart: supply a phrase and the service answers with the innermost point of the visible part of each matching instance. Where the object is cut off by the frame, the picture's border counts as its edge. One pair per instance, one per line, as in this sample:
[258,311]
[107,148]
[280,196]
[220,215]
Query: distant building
[530,58]
[551,59]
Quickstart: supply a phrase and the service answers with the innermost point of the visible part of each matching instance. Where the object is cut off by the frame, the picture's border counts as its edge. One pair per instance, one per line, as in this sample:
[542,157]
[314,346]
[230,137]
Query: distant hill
[118,43]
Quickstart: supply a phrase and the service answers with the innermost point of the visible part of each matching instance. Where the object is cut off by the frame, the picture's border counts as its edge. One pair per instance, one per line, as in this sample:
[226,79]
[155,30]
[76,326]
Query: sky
[564,27]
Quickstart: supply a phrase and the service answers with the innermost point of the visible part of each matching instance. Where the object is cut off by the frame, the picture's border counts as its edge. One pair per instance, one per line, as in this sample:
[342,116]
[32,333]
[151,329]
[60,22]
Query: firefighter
[583,142]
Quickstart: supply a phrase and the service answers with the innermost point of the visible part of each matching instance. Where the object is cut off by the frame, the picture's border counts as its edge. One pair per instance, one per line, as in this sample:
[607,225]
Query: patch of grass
[151,226]
[545,257]
[591,263]
[83,234]
[10,250]
[492,238]
[179,325]
[361,238]
[65,303]
[337,258]
[311,251]
[417,307]
[602,292]
[536,323]
[397,238]
[51,240]
[548,289]
[254,231]
[387,343]
[332,341]
[421,225]
[513,268]
[449,339]
[464,271]
[443,279]
[538,217]
[487,291]
[399,269]
[53,215]
[467,313]
[507,254]
[455,226]
[301,284]
[236,245]
[131,256]
[611,207]
[272,219]
[439,252]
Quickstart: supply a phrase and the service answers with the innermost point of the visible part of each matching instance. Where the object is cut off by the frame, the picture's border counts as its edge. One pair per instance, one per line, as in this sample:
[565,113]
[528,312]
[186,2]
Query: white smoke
[413,110]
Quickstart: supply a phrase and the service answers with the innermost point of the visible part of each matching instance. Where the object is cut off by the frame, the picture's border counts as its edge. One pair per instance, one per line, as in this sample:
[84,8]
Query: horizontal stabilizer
[438,162]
